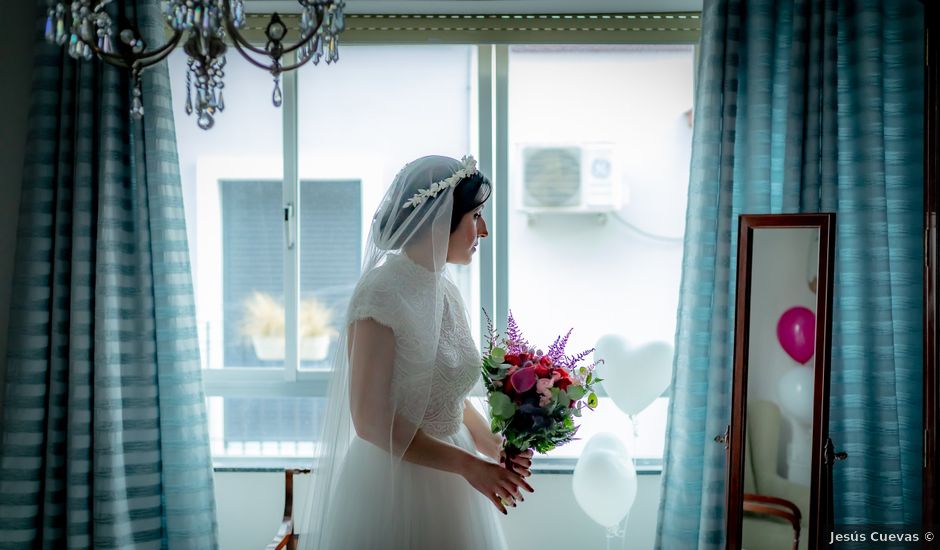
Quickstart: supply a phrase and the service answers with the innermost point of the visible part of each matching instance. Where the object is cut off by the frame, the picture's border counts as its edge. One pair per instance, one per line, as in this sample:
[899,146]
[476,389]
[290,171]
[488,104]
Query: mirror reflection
[780,382]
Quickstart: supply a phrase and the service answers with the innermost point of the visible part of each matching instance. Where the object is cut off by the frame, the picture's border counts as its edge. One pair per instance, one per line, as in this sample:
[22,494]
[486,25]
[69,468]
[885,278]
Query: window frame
[492,35]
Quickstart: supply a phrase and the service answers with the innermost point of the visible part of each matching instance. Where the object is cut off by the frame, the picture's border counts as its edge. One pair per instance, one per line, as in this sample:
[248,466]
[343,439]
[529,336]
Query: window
[274,262]
[598,178]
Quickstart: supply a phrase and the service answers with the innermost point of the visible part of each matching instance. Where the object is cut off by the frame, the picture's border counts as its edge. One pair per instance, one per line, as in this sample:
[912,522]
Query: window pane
[232,195]
[331,236]
[598,183]
[361,120]
[252,272]
[253,427]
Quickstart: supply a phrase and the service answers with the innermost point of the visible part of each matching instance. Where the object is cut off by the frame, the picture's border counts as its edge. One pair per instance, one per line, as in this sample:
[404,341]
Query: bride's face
[464,240]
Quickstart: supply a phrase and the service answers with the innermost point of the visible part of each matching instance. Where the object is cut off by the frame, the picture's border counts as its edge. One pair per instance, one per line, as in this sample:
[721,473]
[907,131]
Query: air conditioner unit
[569,179]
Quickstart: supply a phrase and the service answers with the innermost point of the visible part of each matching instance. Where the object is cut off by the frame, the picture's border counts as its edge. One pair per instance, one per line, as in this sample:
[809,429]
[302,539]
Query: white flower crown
[468,168]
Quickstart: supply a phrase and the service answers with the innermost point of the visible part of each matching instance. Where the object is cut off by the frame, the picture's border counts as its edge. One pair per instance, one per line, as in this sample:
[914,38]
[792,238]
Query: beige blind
[634,28]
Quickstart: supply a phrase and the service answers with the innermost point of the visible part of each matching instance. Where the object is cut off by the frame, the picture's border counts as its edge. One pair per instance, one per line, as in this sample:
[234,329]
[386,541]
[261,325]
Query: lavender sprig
[569,361]
[557,350]
[491,330]
[515,343]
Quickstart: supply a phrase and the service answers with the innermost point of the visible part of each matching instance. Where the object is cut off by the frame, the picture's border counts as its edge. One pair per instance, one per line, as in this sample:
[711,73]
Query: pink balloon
[796,331]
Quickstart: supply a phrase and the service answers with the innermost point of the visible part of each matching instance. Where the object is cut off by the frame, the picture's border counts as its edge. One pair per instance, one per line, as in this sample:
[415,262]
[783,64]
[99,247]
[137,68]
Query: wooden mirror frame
[931,477]
[820,512]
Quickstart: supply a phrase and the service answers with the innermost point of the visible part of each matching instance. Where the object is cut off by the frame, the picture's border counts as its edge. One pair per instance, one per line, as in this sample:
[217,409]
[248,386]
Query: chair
[774,507]
[286,538]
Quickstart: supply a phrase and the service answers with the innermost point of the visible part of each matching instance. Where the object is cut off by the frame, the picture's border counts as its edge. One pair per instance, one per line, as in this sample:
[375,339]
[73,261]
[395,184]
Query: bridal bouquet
[534,396]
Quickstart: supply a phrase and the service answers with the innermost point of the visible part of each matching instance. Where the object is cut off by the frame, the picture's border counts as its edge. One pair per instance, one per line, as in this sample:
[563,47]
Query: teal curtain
[104,440]
[806,106]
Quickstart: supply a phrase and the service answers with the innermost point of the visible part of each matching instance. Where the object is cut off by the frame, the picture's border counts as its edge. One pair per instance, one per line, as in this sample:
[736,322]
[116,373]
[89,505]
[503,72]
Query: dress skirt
[430,510]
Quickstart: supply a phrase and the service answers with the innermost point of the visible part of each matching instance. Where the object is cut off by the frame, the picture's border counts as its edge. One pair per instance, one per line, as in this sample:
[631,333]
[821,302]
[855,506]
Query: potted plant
[315,329]
[264,324]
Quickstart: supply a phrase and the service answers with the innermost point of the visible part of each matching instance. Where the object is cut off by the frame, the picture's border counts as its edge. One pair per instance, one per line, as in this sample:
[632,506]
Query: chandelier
[87,28]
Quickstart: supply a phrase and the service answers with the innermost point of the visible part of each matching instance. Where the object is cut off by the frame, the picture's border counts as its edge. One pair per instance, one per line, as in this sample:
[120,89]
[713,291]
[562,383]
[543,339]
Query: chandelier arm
[305,40]
[237,37]
[303,61]
[143,61]
[247,56]
[158,55]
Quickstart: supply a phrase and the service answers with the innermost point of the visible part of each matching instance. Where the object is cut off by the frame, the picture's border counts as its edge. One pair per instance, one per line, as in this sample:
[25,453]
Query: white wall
[16,59]
[250,506]
[570,270]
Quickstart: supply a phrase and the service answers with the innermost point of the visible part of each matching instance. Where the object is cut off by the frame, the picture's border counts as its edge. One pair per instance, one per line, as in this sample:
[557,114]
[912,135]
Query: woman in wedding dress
[405,461]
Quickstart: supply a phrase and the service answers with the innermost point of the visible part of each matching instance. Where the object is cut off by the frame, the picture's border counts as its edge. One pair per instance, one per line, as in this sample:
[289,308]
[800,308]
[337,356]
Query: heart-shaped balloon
[796,332]
[633,378]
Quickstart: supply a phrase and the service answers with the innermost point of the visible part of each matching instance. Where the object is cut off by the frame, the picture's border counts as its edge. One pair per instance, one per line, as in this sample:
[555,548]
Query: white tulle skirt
[431,509]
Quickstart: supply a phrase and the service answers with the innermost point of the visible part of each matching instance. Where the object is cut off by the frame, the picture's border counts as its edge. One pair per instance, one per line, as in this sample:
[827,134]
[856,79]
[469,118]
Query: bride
[405,461]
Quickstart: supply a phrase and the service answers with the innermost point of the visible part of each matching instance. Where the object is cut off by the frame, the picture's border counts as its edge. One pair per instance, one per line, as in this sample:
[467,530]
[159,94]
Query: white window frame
[492,41]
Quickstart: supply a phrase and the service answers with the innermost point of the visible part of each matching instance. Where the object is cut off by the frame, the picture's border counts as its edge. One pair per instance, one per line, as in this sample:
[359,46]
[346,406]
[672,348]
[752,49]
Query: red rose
[542,371]
[545,361]
[563,383]
[512,359]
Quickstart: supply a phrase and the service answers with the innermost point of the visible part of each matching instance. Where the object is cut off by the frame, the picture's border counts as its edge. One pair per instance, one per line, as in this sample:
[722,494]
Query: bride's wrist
[466,463]
[492,446]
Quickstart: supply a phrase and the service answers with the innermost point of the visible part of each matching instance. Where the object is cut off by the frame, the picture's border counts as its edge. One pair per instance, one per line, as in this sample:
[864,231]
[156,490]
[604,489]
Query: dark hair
[470,192]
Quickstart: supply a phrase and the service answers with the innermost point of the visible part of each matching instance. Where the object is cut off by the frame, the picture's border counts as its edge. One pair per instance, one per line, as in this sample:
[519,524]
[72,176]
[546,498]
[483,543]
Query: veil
[411,228]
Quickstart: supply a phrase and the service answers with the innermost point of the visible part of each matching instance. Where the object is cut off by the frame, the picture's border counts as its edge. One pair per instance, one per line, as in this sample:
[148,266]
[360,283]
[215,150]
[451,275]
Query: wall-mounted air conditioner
[569,179]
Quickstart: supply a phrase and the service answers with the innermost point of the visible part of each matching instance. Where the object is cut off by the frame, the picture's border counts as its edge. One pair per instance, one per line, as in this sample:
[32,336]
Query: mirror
[778,479]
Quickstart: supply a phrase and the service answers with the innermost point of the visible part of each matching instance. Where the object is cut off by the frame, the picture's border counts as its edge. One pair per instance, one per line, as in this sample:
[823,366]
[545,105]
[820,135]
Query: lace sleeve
[372,300]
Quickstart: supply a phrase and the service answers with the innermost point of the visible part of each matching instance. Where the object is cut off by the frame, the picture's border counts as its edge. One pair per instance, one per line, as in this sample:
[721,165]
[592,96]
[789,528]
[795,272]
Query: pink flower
[523,379]
[545,400]
[544,385]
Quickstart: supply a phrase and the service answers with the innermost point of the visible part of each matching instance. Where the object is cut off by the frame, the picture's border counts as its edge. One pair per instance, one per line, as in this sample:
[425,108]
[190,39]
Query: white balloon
[605,484]
[795,394]
[608,441]
[633,378]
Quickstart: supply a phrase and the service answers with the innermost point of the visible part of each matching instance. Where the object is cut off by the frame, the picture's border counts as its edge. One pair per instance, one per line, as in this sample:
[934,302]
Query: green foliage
[501,405]
[592,400]
[576,392]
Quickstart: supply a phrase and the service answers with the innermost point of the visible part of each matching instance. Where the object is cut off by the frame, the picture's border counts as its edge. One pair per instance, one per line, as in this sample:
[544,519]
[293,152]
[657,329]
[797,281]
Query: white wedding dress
[431,509]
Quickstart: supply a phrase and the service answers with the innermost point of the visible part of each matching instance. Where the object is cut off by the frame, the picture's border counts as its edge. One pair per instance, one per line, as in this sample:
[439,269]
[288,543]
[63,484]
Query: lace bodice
[391,294]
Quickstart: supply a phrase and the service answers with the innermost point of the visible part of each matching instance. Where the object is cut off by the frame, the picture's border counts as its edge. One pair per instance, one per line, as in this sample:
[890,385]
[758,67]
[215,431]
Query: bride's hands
[520,463]
[495,482]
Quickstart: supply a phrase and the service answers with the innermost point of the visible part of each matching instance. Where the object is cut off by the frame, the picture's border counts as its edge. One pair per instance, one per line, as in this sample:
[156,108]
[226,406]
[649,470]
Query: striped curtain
[806,106]
[104,439]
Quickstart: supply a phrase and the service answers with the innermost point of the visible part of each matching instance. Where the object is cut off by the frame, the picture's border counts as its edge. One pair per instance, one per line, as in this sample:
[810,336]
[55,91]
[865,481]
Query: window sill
[543,466]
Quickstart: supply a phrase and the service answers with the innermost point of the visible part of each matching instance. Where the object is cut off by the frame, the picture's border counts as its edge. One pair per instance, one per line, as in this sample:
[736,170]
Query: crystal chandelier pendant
[86,29]
[205,120]
[50,26]
[137,104]
[189,94]
[277,98]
